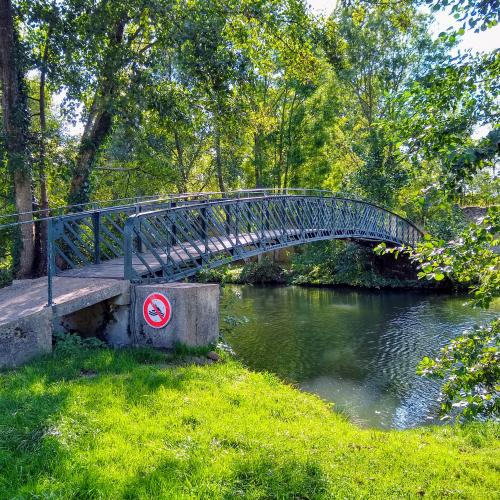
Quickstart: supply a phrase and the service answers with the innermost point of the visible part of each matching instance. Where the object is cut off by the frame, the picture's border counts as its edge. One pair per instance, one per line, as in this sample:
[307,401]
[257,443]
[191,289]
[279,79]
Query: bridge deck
[76,289]
[114,268]
[28,297]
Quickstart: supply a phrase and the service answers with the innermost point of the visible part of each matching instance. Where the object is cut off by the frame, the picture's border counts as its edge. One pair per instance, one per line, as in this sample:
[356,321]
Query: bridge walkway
[79,288]
[29,297]
[148,262]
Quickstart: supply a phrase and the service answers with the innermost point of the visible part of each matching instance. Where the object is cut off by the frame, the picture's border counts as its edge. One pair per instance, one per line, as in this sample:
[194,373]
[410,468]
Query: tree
[16,130]
[110,23]
[349,119]
[475,14]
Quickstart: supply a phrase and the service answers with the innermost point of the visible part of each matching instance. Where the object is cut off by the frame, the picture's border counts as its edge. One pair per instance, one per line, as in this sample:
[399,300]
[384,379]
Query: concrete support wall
[24,338]
[195,315]
[116,319]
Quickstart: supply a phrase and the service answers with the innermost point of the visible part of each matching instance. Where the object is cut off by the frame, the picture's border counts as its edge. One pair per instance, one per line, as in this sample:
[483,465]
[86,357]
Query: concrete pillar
[194,315]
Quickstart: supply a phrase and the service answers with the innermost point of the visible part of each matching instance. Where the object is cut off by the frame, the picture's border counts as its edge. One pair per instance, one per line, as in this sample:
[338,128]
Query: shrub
[348,263]
[72,344]
[470,364]
[262,272]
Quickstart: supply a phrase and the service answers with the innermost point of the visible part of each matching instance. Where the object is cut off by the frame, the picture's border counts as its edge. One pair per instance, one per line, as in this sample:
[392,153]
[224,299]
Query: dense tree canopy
[171,96]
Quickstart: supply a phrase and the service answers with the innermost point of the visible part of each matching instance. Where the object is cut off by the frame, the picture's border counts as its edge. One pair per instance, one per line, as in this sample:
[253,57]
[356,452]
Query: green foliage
[265,271]
[476,14]
[6,275]
[71,344]
[229,321]
[383,51]
[438,216]
[469,259]
[347,263]
[470,364]
[466,163]
[223,274]
[448,104]
[128,424]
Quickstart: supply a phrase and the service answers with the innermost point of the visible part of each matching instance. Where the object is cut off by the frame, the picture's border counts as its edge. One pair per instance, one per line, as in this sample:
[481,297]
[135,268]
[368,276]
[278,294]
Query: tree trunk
[289,141]
[182,178]
[281,146]
[95,132]
[218,158]
[16,125]
[257,158]
[97,127]
[44,197]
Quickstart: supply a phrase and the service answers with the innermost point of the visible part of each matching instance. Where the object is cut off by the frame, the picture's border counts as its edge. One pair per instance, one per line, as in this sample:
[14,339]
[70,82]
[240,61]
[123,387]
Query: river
[358,349]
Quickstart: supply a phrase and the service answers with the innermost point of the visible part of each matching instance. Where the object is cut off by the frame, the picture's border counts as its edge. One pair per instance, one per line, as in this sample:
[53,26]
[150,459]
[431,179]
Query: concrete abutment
[195,315]
[116,316]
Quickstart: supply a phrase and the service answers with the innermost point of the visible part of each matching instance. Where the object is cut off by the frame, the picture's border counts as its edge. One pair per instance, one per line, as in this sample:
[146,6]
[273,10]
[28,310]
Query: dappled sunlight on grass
[134,423]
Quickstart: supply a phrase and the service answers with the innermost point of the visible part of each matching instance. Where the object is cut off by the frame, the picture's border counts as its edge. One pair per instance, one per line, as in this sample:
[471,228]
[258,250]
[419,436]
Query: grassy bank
[137,424]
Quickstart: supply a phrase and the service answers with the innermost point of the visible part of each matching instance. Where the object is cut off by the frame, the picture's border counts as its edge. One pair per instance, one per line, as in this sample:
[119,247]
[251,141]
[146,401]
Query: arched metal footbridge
[162,238]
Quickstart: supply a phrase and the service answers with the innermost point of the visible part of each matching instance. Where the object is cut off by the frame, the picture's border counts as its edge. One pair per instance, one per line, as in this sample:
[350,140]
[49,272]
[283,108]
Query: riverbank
[328,263]
[97,423]
[272,273]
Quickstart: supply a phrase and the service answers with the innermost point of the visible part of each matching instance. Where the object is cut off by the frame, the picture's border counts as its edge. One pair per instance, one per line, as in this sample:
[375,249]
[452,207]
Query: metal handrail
[328,194]
[180,197]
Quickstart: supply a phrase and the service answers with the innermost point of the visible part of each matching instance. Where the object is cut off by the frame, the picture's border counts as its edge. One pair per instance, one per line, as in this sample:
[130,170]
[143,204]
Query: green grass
[130,424]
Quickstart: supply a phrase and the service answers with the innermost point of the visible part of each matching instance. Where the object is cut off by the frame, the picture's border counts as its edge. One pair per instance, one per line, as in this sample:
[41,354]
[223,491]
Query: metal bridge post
[96,226]
[204,229]
[284,234]
[50,261]
[173,204]
[138,241]
[128,249]
[171,240]
[236,222]
[228,224]
[302,220]
[227,211]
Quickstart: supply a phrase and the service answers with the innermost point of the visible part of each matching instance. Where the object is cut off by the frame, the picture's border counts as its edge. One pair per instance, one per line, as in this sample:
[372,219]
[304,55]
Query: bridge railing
[180,225]
[175,242]
[92,233]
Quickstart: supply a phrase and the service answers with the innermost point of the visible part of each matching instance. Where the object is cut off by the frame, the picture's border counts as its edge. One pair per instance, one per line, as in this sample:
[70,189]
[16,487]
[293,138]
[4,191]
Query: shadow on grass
[258,477]
[267,479]
[29,448]
[32,402]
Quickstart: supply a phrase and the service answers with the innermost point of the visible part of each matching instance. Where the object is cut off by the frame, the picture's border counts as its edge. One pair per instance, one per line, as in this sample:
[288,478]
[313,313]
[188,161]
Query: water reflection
[358,349]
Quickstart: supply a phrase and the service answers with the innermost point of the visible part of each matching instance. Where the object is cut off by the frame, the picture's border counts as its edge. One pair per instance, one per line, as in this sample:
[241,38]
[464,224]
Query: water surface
[358,349]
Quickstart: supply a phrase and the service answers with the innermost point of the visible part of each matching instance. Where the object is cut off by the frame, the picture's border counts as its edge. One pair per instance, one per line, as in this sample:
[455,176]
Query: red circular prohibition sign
[157,310]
